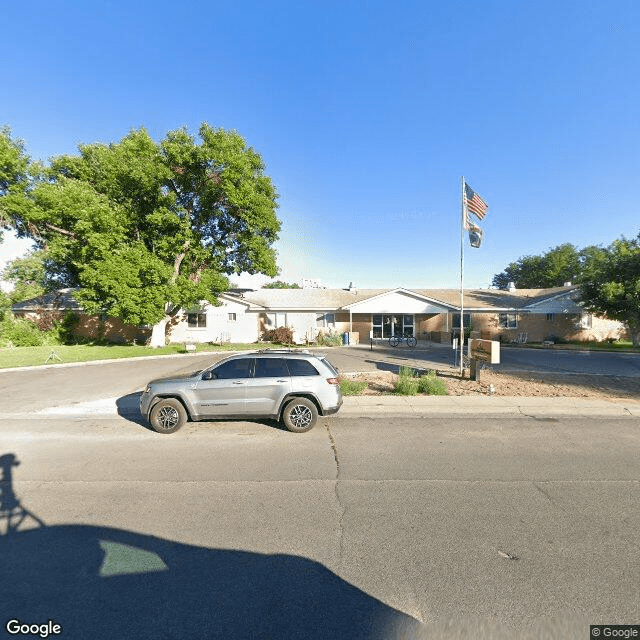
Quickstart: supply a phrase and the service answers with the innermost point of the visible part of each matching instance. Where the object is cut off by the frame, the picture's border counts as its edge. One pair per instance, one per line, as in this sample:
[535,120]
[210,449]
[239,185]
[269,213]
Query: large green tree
[146,228]
[551,269]
[14,180]
[610,283]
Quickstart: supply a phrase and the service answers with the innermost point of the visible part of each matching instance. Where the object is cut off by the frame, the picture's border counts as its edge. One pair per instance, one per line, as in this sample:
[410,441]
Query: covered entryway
[396,313]
[392,325]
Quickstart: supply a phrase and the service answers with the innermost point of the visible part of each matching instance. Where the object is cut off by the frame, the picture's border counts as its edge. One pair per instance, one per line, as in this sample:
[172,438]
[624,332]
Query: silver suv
[292,386]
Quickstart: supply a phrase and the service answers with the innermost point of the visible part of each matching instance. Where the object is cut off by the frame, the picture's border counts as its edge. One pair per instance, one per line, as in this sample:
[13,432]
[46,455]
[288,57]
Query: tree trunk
[633,325]
[159,333]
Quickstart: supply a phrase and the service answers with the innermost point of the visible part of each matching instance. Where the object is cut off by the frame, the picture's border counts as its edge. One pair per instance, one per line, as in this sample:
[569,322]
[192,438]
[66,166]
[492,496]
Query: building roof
[61,300]
[343,299]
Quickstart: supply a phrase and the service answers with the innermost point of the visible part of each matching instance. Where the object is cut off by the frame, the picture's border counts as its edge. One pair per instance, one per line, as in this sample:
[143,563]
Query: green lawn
[618,345]
[29,356]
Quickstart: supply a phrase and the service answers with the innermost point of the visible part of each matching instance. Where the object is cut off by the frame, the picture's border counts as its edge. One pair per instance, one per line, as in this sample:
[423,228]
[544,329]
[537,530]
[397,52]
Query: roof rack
[283,351]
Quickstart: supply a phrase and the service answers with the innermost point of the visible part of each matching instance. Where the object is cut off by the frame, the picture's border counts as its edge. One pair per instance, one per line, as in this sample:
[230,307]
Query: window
[327,320]
[301,368]
[233,369]
[275,320]
[551,317]
[455,320]
[271,368]
[376,322]
[407,326]
[232,317]
[197,320]
[508,320]
[585,321]
[388,325]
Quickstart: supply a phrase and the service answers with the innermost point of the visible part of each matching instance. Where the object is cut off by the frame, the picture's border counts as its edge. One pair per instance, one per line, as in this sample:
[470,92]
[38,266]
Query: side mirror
[209,375]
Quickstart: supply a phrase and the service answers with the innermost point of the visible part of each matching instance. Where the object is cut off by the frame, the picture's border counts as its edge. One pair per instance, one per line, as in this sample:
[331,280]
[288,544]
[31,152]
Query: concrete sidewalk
[475,405]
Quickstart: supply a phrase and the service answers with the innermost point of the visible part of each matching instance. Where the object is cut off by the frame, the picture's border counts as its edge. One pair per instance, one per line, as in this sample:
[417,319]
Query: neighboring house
[433,314]
[58,303]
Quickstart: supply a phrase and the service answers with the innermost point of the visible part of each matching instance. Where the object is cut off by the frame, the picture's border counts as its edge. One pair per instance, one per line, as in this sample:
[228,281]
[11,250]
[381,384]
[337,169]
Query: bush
[432,385]
[409,385]
[21,333]
[406,386]
[330,339]
[281,335]
[353,387]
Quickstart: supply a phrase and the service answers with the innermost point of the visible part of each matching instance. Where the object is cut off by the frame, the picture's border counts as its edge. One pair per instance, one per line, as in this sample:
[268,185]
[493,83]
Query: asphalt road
[432,355]
[37,388]
[363,528]
[367,527]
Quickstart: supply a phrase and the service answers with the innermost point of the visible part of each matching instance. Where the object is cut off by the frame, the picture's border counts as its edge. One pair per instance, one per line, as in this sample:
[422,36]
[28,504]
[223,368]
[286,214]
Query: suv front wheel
[167,415]
[300,415]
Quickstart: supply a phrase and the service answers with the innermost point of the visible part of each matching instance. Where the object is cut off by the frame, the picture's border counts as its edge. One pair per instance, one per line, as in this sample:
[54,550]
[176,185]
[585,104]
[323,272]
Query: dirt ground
[515,384]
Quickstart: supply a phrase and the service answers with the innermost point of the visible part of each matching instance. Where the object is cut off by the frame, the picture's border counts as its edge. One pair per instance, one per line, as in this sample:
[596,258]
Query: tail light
[333,380]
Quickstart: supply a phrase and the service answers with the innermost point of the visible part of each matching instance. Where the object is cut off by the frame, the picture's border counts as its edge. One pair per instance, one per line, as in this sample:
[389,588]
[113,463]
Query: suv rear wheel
[300,415]
[167,415]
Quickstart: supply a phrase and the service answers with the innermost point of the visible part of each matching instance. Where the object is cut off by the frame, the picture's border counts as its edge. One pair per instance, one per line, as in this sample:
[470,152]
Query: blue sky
[366,114]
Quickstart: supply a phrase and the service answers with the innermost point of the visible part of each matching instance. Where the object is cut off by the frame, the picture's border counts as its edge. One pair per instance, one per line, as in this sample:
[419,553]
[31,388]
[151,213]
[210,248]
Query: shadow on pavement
[107,583]
[129,408]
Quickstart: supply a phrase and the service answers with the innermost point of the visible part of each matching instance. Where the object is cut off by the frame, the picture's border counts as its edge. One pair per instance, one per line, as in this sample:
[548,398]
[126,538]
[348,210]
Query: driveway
[431,355]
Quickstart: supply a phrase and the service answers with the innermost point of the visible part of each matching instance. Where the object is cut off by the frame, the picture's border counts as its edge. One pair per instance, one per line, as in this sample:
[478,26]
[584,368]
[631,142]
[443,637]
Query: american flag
[474,203]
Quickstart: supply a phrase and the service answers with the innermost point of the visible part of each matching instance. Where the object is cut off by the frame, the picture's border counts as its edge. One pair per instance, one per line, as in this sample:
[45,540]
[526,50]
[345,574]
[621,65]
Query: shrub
[432,385]
[353,387]
[330,339]
[67,327]
[21,333]
[282,335]
[406,386]
[406,372]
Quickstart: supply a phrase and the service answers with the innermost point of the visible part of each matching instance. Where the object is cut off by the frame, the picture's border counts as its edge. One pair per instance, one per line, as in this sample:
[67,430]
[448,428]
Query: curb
[534,407]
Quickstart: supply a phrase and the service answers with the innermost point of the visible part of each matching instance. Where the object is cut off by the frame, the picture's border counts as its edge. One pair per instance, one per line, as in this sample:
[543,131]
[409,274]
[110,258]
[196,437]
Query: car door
[270,383]
[221,390]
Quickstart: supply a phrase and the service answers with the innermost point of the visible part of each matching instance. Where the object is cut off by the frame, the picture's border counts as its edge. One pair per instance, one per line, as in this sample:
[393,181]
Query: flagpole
[462,277]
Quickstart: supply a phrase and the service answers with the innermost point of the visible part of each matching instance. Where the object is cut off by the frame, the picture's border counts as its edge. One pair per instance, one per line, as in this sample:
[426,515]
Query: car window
[330,366]
[233,369]
[270,368]
[302,368]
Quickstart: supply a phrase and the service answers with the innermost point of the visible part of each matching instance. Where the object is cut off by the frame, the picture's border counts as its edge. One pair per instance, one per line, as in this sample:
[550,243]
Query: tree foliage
[610,283]
[551,269]
[279,284]
[28,276]
[145,228]
[14,178]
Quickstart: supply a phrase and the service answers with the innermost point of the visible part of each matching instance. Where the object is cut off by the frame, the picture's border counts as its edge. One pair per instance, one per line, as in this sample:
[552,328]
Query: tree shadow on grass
[104,583]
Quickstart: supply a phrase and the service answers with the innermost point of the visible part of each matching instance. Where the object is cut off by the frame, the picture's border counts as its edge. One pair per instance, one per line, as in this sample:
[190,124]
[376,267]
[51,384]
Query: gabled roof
[345,299]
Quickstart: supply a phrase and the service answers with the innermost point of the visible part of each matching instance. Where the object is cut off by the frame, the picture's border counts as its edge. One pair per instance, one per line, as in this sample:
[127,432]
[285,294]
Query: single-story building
[58,303]
[434,314]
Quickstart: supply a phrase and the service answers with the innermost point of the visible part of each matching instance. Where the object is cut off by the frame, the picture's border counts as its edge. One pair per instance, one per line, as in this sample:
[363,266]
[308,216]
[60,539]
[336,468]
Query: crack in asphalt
[341,508]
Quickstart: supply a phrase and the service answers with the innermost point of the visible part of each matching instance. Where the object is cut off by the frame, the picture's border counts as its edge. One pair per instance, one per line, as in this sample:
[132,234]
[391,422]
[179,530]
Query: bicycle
[396,341]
